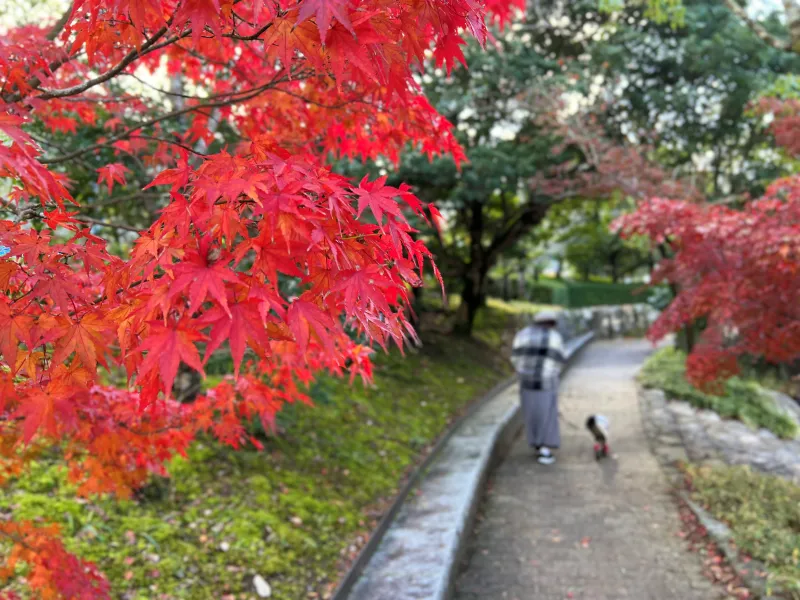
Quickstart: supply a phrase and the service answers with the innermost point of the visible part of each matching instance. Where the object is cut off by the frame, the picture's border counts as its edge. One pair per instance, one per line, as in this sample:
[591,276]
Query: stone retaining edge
[501,442]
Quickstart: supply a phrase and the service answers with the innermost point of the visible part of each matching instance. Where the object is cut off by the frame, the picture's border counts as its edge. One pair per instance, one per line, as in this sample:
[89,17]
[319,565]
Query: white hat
[545,316]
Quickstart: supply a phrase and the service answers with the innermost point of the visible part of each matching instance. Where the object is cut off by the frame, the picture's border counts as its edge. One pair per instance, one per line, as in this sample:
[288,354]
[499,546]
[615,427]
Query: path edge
[501,440]
[353,574]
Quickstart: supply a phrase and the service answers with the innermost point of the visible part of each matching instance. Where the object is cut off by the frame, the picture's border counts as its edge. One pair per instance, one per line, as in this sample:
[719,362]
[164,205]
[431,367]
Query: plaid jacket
[537,356]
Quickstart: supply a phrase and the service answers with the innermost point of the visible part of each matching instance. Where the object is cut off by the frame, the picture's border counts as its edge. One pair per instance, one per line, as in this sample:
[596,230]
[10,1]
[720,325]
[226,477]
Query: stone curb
[416,549]
[355,570]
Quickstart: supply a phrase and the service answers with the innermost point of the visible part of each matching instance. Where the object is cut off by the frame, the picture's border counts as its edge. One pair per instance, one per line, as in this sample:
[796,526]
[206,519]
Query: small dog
[598,426]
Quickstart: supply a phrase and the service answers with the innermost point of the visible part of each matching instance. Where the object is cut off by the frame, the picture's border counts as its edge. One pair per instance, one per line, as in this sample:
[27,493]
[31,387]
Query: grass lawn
[743,400]
[296,512]
[763,512]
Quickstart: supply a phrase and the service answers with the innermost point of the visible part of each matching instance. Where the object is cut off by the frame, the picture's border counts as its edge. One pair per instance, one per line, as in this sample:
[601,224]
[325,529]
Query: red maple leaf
[379,197]
[13,329]
[324,11]
[111,173]
[202,279]
[304,318]
[366,285]
[242,324]
[167,346]
[87,339]
[448,51]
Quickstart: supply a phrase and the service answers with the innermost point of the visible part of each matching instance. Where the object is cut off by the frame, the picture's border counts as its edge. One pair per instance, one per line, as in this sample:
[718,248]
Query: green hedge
[571,294]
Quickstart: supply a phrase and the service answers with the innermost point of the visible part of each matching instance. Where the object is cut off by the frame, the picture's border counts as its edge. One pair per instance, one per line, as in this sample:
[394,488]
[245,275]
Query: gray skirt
[540,412]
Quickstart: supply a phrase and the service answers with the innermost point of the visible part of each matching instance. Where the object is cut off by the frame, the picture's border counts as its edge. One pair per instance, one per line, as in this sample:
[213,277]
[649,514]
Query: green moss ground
[293,513]
[743,400]
[763,512]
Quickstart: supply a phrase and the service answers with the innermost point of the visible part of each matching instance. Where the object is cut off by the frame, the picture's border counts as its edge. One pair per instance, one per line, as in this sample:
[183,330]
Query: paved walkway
[581,529]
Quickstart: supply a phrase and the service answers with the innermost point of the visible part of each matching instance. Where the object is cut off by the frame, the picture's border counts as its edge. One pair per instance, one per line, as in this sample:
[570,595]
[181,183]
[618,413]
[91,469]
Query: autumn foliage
[296,82]
[737,270]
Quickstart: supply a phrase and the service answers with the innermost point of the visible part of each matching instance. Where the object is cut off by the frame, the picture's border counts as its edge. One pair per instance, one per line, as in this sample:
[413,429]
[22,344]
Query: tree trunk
[686,337]
[613,260]
[473,281]
[473,297]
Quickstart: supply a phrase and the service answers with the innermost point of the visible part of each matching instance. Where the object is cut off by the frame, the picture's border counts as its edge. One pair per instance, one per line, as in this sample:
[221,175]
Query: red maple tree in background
[296,81]
[737,270]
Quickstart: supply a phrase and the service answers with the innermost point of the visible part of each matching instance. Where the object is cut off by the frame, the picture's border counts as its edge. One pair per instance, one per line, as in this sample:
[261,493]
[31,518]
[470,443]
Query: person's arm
[555,349]
[516,351]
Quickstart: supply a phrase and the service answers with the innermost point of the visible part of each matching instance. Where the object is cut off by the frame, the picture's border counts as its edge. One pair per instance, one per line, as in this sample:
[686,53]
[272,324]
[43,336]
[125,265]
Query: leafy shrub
[763,512]
[743,400]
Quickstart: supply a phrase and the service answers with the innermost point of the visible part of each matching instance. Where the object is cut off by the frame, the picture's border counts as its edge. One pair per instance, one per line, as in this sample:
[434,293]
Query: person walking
[538,356]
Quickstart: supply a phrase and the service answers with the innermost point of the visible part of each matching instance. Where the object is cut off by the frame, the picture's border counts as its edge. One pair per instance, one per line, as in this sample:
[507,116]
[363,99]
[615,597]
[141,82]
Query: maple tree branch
[249,38]
[167,92]
[241,97]
[24,213]
[169,141]
[60,24]
[120,199]
[149,46]
[757,28]
[146,48]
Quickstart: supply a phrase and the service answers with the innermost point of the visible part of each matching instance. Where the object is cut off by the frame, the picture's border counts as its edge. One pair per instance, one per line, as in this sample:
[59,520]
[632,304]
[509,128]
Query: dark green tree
[688,90]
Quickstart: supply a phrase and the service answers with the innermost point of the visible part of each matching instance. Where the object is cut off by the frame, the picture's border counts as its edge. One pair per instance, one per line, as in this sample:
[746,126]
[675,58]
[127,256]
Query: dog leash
[567,421]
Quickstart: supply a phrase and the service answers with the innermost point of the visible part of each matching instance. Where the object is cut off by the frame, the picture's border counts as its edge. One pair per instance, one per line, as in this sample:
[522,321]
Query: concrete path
[581,529]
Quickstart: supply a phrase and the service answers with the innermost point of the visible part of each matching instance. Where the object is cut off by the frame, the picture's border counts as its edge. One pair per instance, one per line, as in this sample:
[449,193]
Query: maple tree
[737,270]
[292,83]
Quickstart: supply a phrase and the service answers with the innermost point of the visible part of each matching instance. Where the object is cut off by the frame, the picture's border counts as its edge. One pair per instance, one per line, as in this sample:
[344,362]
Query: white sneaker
[546,457]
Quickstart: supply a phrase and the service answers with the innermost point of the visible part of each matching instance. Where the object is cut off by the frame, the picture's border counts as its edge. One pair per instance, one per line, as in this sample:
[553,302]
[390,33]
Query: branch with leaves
[284,88]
